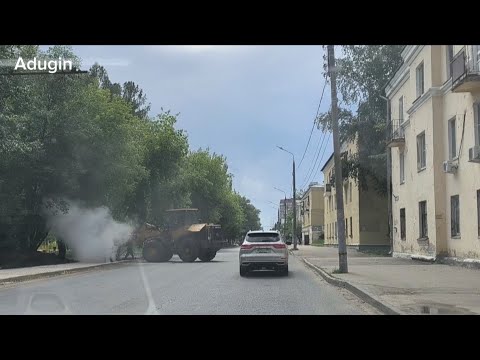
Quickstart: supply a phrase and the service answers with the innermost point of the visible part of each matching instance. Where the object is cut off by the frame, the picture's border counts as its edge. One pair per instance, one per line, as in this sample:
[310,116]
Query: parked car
[263,250]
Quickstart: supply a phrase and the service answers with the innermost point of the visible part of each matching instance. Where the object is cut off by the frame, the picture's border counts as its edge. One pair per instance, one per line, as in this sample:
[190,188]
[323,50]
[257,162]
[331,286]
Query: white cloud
[196,49]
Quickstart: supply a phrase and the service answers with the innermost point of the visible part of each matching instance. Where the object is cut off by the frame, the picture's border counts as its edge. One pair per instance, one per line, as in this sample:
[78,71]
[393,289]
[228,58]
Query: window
[262,237]
[422,210]
[403,228]
[400,109]
[449,54]
[346,226]
[421,152]
[455,215]
[351,227]
[420,80]
[402,167]
[478,212]
[335,229]
[350,189]
[452,139]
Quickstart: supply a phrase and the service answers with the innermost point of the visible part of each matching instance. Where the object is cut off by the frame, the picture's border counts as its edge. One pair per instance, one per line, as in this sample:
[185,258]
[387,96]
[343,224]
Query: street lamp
[294,200]
[285,211]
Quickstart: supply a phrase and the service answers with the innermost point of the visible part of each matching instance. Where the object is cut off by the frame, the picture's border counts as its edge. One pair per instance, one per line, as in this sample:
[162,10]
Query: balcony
[395,134]
[465,73]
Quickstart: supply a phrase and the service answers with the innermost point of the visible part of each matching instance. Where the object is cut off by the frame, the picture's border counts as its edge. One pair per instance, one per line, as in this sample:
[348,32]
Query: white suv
[263,250]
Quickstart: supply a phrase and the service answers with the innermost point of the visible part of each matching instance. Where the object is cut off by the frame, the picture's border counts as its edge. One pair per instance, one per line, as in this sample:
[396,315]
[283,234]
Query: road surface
[182,288]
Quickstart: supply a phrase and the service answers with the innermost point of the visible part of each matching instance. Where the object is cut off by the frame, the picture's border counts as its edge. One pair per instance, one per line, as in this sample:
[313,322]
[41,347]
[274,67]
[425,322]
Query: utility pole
[294,209]
[294,200]
[342,245]
[284,211]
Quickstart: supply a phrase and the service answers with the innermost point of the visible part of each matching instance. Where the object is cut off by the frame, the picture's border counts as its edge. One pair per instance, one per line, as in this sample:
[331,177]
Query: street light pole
[284,210]
[294,201]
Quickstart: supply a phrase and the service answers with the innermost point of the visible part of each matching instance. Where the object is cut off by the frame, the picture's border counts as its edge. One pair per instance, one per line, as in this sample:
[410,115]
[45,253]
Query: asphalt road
[182,288]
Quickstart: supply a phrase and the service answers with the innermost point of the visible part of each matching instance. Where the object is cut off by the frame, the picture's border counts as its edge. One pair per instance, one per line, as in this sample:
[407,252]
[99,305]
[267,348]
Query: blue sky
[240,101]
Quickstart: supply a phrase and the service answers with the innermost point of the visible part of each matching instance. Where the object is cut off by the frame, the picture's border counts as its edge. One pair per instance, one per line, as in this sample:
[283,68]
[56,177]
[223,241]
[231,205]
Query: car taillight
[279,246]
[246,247]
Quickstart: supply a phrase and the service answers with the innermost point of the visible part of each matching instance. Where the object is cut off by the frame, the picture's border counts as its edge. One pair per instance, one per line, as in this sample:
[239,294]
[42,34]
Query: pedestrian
[129,251]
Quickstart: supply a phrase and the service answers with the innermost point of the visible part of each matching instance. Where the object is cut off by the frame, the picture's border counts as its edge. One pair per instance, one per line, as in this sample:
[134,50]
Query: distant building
[281,210]
[312,205]
[366,212]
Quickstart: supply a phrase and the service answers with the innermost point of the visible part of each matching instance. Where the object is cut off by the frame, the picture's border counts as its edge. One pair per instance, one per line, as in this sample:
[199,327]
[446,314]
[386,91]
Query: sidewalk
[8,276]
[399,285]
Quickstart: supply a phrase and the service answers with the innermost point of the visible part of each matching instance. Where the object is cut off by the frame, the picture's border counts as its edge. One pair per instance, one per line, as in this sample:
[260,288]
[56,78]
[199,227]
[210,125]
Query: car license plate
[263,251]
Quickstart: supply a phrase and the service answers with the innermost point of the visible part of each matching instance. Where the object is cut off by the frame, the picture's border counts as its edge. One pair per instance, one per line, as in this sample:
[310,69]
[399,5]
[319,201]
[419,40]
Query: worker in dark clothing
[129,251]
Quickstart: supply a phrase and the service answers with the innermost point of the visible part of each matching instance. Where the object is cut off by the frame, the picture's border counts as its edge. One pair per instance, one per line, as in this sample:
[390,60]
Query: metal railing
[395,130]
[458,67]
[461,66]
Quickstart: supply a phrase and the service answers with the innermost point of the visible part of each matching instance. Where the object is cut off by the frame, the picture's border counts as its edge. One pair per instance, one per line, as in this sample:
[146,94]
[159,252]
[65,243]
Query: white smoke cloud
[92,234]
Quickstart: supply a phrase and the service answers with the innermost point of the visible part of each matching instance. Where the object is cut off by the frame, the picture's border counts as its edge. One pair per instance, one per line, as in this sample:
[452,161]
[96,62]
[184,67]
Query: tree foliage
[82,137]
[363,72]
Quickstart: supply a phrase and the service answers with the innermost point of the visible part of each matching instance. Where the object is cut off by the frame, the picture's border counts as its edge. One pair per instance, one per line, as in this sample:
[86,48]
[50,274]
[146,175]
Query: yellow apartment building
[366,214]
[312,206]
[434,139]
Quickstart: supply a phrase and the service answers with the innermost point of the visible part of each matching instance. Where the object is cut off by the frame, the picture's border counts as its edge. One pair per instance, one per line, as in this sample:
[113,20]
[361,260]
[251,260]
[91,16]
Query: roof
[326,162]
[196,227]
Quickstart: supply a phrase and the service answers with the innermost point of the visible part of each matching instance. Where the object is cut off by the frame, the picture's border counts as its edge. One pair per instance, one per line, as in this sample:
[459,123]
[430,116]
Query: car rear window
[263,237]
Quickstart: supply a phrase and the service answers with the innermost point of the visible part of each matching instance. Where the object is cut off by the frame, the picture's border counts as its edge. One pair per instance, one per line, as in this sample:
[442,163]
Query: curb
[387,310]
[45,275]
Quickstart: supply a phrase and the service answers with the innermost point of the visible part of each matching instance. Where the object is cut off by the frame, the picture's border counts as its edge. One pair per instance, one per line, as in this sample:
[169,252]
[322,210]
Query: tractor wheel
[156,251]
[165,252]
[188,250]
[207,255]
[121,251]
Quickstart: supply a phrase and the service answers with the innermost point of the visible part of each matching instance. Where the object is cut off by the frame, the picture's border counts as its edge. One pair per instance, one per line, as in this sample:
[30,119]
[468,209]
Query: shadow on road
[175,261]
[267,274]
[195,262]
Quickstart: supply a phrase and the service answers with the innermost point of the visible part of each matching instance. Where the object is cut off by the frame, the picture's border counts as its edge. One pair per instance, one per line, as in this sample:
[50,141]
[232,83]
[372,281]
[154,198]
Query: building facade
[434,137]
[282,215]
[366,215]
[312,216]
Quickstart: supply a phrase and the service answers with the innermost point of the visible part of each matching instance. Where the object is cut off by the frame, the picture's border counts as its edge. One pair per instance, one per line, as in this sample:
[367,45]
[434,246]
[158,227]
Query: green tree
[233,218]
[252,215]
[208,181]
[82,137]
[165,155]
[62,137]
[363,72]
[287,227]
[133,95]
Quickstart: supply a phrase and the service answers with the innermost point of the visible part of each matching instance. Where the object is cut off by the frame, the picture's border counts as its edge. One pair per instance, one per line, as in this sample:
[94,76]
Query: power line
[320,162]
[313,125]
[314,164]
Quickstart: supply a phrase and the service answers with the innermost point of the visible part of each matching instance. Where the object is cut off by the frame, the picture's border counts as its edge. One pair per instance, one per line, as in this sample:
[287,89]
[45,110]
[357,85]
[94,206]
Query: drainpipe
[389,181]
